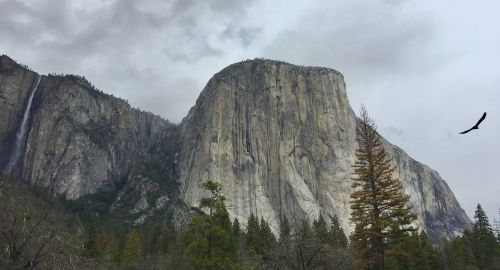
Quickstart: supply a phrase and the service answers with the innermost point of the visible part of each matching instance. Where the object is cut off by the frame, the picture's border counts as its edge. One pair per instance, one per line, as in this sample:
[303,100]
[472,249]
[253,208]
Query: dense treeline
[37,233]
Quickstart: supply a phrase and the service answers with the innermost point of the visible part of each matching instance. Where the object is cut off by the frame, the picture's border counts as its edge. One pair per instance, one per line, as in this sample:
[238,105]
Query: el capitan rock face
[280,138]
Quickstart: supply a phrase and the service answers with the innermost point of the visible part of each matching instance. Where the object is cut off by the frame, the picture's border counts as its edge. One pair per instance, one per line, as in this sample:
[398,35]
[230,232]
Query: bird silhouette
[476,126]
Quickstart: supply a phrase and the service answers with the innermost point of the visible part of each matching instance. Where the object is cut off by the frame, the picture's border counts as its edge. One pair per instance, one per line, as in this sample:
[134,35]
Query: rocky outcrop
[152,188]
[281,139]
[80,141]
[15,84]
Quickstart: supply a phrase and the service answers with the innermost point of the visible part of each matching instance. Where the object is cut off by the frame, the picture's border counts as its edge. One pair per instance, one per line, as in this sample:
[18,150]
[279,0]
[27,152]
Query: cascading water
[22,133]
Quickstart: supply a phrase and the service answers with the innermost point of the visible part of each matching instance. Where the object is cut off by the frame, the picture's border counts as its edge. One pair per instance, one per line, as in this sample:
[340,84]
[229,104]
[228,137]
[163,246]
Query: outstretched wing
[481,120]
[463,132]
[476,126]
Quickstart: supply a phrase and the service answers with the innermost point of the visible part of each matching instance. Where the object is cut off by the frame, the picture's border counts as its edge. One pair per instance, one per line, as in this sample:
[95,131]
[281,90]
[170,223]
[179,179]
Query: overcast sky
[425,70]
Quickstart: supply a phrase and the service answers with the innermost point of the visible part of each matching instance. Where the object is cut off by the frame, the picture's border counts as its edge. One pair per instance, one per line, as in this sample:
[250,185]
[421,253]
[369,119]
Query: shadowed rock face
[15,83]
[279,137]
[80,141]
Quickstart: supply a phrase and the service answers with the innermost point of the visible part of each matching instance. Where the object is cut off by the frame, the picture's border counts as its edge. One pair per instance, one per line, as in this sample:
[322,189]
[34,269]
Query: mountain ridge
[275,134]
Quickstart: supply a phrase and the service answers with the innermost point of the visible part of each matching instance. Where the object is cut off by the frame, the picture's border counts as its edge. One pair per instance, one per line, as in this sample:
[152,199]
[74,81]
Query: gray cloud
[123,46]
[191,52]
[244,35]
[423,72]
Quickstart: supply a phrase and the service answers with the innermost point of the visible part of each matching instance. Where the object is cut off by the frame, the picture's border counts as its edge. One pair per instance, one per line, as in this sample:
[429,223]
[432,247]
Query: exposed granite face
[81,141]
[281,140]
[438,211]
[15,83]
[151,187]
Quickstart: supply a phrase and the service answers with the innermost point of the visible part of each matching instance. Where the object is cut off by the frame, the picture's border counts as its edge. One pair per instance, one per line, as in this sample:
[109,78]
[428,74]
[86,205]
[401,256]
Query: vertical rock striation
[15,84]
[80,140]
[83,141]
[22,132]
[281,139]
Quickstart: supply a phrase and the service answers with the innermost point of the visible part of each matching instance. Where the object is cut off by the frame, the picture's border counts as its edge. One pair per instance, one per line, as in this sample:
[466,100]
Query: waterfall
[22,133]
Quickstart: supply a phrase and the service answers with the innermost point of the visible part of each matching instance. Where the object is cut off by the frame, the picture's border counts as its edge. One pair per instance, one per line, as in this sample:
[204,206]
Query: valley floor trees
[482,239]
[209,236]
[30,224]
[380,212]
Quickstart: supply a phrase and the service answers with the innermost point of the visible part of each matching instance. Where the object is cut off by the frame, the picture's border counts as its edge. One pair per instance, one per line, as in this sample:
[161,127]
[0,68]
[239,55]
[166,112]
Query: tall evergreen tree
[252,237]
[266,240]
[308,249]
[283,248]
[132,248]
[482,239]
[321,230]
[423,254]
[496,227]
[378,204]
[238,241]
[457,253]
[236,228]
[337,235]
[210,236]
[118,254]
[285,230]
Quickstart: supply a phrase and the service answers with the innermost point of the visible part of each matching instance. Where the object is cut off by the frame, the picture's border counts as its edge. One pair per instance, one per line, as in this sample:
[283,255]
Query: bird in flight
[476,126]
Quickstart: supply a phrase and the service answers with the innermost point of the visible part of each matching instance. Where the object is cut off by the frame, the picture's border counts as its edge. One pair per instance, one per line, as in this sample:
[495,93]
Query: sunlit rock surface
[281,140]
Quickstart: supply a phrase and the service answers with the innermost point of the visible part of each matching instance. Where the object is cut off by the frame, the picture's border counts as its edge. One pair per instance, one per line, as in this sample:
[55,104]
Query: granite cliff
[81,141]
[279,137]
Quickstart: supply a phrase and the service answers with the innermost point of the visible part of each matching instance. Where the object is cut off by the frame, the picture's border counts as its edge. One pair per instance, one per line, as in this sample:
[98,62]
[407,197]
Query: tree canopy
[380,210]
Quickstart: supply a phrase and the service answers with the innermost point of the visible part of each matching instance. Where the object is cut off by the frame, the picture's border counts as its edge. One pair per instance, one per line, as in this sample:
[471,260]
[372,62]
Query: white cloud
[425,69]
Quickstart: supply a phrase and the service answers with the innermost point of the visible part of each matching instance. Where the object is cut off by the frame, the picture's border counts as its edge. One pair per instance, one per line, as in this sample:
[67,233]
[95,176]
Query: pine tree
[216,201]
[378,205]
[236,228]
[457,253]
[283,248]
[132,248]
[337,235]
[118,254]
[482,239]
[253,228]
[321,230]
[496,227]
[210,240]
[238,241]
[266,240]
[285,229]
[307,248]
[339,254]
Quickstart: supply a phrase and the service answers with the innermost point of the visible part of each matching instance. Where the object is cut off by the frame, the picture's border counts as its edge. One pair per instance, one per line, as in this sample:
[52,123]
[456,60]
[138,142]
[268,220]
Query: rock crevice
[281,140]
[279,137]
